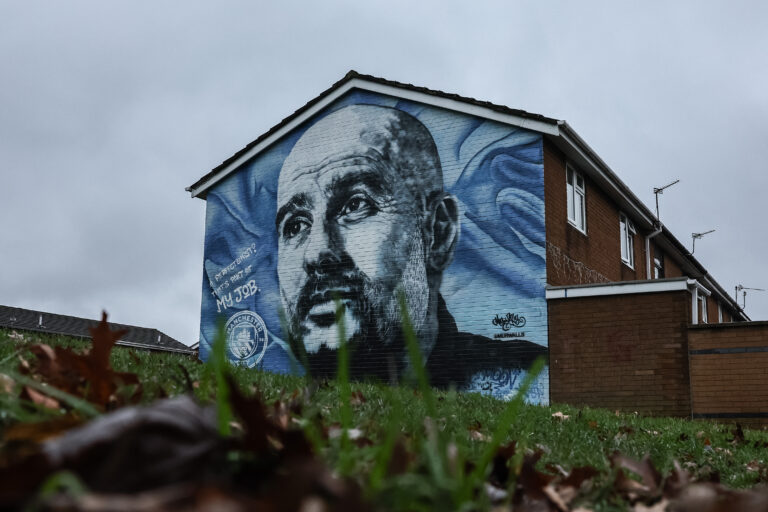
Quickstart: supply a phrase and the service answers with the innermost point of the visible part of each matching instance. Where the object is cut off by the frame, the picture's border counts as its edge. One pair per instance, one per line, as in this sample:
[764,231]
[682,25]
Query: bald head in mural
[362,216]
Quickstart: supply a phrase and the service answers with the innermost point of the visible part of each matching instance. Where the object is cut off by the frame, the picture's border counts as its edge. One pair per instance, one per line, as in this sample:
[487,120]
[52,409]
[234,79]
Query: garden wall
[729,372]
[622,352]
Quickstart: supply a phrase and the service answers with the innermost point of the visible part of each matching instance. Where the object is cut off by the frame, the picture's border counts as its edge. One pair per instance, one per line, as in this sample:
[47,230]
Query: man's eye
[357,206]
[293,227]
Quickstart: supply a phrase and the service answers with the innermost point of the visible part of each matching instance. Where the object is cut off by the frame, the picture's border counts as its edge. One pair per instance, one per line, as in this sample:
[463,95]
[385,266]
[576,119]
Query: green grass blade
[78,404]
[346,457]
[416,359]
[435,445]
[220,366]
[384,453]
[502,427]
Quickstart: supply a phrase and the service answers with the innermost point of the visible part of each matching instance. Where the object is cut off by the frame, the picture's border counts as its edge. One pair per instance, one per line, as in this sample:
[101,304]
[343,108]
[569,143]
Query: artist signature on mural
[509,321]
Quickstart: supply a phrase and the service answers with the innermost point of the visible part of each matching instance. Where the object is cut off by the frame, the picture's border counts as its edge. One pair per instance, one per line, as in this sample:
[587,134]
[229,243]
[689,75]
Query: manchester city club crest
[246,338]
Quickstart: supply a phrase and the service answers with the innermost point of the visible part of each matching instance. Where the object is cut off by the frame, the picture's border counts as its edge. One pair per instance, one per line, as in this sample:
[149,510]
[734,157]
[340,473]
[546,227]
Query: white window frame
[577,217]
[627,240]
[703,301]
[659,272]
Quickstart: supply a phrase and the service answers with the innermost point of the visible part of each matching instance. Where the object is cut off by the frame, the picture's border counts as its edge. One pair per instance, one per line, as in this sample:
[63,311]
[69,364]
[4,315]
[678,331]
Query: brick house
[533,241]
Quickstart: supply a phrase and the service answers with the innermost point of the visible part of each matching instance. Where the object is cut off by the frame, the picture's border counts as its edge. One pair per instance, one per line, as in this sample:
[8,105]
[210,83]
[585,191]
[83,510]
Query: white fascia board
[693,283]
[357,83]
[597,165]
[458,106]
[618,288]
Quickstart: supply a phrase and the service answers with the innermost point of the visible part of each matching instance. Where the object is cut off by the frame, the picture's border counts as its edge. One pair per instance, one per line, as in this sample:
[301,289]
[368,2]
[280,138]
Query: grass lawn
[567,437]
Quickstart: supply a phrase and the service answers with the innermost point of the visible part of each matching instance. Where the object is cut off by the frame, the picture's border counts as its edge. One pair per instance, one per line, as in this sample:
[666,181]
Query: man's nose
[322,253]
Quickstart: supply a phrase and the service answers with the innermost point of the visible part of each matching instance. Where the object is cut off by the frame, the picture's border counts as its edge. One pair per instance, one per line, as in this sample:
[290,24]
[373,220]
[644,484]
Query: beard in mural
[363,216]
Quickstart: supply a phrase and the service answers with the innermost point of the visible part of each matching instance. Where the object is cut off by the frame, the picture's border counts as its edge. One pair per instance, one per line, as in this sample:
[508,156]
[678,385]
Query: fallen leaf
[7,385]
[356,398]
[27,393]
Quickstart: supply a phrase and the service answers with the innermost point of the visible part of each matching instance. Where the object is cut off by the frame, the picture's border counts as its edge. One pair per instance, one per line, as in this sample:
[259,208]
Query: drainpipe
[648,250]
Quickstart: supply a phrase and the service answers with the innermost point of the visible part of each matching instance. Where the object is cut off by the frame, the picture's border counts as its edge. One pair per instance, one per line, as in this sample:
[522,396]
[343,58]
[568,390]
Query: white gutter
[648,250]
[616,288]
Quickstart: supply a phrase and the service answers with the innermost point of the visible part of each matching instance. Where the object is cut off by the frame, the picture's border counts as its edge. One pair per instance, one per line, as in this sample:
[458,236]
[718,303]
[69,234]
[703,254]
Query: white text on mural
[236,296]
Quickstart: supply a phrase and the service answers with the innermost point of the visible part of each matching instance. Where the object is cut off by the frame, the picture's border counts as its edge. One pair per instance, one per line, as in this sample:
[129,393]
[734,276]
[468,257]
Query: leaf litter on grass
[98,449]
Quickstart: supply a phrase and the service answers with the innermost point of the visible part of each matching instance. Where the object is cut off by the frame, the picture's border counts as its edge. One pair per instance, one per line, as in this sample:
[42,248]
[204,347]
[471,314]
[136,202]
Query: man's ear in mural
[444,231]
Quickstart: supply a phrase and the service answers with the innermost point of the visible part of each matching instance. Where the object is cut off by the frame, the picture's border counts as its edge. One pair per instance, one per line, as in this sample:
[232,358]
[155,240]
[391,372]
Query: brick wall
[358,233]
[625,352]
[729,371]
[572,256]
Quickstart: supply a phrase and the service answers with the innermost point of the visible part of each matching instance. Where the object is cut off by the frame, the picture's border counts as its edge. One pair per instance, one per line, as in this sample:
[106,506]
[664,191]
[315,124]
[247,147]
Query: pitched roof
[348,78]
[558,131]
[52,323]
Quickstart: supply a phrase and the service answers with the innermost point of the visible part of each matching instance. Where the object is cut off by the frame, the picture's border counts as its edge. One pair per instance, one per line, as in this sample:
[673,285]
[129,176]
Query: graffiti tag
[509,321]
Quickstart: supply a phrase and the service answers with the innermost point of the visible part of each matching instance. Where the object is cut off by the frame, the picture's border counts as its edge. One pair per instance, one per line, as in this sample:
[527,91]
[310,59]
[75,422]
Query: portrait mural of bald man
[372,200]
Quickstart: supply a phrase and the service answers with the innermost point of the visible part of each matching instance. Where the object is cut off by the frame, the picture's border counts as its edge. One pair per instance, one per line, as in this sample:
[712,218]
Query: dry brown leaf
[41,431]
[7,384]
[28,393]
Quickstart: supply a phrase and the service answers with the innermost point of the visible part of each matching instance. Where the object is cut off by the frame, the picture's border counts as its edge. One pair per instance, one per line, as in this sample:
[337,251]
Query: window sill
[576,227]
[628,264]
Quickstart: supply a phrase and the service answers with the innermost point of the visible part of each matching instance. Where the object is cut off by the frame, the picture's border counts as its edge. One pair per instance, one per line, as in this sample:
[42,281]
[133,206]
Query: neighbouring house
[502,234]
[144,338]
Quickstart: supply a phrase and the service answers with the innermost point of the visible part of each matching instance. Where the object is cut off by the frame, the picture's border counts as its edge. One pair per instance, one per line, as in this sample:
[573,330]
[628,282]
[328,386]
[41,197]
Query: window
[577,214]
[719,313]
[703,304]
[658,264]
[627,240]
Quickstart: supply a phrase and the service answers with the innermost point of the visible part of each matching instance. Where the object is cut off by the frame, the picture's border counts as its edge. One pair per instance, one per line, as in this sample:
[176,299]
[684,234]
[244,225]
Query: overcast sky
[109,109]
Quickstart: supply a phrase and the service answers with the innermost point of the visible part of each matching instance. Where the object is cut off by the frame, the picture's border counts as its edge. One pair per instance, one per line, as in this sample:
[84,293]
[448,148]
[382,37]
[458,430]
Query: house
[143,338]
[502,232]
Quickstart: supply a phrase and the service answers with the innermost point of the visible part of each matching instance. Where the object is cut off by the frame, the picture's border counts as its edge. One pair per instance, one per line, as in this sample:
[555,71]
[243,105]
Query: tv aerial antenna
[696,236]
[660,190]
[743,289]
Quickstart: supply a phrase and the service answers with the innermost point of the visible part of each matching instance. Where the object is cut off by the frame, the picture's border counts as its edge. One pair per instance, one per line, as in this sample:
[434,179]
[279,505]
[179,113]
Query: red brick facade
[572,256]
[625,352]
[575,257]
[729,370]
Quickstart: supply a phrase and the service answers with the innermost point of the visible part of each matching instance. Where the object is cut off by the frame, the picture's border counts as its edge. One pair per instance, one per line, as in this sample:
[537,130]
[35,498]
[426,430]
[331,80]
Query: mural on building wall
[372,199]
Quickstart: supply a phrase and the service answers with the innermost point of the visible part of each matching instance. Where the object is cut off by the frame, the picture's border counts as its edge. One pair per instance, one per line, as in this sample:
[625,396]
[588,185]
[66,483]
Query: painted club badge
[246,338]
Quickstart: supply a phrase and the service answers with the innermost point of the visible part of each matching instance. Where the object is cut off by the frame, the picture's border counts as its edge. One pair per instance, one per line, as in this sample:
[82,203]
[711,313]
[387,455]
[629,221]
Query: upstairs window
[658,265]
[575,191]
[627,230]
[702,308]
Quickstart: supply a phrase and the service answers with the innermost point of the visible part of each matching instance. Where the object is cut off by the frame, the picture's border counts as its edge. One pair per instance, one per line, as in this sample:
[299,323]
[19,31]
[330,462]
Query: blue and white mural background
[494,287]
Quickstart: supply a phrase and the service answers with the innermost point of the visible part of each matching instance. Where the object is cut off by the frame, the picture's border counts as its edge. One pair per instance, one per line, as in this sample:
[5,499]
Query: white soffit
[618,288]
[389,90]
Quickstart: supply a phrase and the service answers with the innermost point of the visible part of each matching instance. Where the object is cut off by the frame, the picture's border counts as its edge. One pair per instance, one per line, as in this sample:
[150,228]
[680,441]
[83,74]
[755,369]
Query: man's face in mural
[362,216]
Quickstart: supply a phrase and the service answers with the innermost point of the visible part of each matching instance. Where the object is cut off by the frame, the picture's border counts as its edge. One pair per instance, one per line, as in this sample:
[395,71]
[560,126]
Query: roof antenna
[699,235]
[658,191]
[741,288]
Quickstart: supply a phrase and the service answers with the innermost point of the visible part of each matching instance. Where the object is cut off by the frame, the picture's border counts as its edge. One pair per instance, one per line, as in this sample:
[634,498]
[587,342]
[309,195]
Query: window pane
[579,210]
[571,212]
[579,182]
[623,236]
